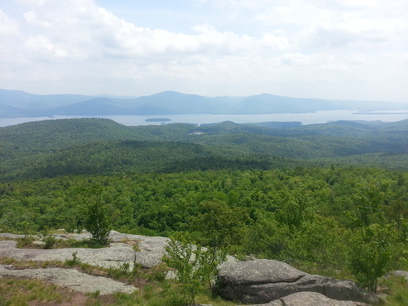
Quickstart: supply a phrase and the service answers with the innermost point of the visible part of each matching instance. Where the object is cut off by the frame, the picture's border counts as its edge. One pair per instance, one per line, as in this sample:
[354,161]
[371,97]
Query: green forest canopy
[317,195]
[101,146]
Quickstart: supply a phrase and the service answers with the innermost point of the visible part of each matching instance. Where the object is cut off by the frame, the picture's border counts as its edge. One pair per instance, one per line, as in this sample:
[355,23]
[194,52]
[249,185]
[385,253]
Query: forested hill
[101,146]
[48,135]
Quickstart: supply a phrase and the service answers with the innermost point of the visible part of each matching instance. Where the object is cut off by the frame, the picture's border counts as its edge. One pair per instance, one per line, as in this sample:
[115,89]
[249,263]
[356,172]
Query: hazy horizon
[195,94]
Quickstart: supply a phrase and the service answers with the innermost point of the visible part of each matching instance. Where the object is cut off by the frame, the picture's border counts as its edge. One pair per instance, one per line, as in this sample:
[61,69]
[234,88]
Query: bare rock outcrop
[149,254]
[72,279]
[120,251]
[309,299]
[263,281]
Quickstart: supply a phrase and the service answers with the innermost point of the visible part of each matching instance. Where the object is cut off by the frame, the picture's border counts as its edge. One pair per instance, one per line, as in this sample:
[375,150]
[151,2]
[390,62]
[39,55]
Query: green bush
[25,242]
[194,266]
[50,241]
[96,218]
[74,261]
[370,253]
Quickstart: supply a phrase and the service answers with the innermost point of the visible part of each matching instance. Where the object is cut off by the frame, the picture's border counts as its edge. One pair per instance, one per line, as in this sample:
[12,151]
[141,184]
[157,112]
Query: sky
[328,49]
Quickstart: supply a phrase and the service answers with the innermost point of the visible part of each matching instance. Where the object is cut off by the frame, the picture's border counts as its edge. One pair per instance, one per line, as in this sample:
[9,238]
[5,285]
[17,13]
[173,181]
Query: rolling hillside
[101,146]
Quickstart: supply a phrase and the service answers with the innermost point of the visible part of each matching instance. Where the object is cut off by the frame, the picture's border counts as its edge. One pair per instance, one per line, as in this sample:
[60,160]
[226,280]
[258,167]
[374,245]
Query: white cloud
[95,32]
[45,48]
[7,26]
[32,19]
[273,41]
[286,47]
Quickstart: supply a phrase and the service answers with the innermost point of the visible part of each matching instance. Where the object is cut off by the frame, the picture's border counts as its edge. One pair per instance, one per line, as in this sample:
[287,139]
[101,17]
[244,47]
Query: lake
[305,118]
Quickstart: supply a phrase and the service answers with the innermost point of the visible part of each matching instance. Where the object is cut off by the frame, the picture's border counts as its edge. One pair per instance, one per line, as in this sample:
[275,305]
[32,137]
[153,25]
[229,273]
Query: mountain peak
[19,104]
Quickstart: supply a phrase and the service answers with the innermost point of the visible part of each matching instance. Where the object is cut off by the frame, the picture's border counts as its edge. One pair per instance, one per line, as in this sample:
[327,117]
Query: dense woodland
[331,197]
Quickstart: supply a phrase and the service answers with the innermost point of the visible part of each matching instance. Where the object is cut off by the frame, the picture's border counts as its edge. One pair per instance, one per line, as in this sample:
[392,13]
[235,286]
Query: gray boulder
[258,272]
[262,281]
[308,299]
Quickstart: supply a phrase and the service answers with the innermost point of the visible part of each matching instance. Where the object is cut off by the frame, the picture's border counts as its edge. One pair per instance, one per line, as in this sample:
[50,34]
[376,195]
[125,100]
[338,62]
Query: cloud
[32,19]
[247,47]
[274,41]
[88,31]
[7,26]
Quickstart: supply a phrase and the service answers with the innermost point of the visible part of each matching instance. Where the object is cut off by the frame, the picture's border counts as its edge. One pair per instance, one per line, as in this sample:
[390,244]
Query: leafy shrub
[74,261]
[25,242]
[158,273]
[96,218]
[371,254]
[50,241]
[193,266]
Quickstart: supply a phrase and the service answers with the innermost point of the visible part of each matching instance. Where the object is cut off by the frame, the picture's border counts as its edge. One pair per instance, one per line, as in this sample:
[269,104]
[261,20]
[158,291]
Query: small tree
[96,218]
[370,252]
[193,266]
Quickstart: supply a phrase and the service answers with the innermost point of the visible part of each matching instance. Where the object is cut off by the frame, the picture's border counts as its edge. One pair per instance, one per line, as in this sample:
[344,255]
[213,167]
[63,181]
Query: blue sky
[331,49]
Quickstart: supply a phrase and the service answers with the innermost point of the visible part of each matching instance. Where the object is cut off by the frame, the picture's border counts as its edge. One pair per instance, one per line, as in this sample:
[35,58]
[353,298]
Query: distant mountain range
[15,103]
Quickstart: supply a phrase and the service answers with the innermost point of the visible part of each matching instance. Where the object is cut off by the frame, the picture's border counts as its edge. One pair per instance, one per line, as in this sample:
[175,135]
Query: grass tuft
[16,291]
[397,290]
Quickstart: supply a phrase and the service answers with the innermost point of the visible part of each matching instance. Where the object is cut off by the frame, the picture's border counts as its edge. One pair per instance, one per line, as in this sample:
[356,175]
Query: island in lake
[157,119]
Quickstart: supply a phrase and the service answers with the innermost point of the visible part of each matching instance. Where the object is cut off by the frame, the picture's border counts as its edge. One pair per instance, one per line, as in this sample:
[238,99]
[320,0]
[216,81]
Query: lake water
[305,118]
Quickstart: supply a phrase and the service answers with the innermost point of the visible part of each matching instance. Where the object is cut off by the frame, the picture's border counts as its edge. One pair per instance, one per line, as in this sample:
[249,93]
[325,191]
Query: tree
[194,266]
[370,253]
[293,207]
[96,218]
[319,241]
[267,237]
[220,227]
